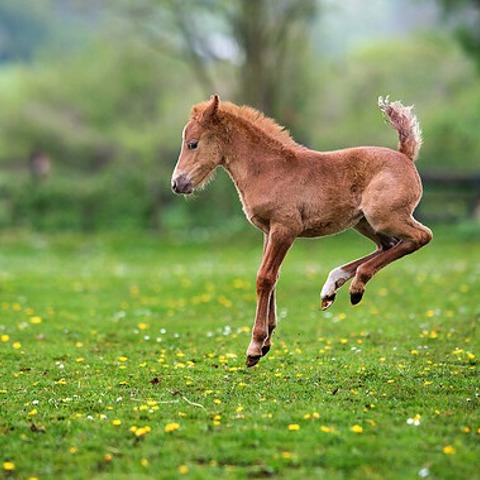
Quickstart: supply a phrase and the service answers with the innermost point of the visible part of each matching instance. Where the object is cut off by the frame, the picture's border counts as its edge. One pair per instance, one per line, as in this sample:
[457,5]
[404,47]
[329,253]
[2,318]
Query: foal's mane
[253,118]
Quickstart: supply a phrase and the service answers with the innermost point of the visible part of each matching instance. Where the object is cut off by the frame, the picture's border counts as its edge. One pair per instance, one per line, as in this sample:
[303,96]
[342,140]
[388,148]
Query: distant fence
[450,197]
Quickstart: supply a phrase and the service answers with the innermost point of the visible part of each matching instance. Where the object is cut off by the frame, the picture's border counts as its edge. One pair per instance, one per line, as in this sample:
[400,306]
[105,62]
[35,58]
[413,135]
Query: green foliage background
[108,105]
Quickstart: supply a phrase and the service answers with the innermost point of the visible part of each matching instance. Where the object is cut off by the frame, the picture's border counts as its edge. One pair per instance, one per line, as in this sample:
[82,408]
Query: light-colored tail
[405,122]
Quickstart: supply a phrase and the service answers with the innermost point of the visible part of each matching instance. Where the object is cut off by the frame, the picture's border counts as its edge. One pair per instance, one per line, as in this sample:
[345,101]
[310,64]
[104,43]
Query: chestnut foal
[289,191]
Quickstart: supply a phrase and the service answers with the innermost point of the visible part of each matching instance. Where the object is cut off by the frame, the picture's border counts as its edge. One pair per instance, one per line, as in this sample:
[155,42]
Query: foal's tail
[405,122]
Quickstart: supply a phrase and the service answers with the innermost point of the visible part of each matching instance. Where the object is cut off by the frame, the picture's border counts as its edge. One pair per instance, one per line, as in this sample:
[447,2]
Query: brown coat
[289,191]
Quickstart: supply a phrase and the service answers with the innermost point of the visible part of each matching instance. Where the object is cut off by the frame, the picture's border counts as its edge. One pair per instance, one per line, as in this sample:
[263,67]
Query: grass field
[122,357]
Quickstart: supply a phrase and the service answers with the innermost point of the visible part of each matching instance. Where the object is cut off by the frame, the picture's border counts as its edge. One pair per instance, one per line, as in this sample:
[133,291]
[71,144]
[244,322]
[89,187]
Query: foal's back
[329,192]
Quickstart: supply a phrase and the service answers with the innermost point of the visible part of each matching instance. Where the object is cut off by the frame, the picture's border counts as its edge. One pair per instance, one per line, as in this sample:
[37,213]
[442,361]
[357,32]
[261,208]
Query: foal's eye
[192,145]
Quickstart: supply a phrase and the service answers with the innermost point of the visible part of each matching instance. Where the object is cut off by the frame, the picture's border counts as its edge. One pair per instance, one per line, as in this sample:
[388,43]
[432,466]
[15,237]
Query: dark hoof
[328,301]
[252,360]
[265,350]
[356,297]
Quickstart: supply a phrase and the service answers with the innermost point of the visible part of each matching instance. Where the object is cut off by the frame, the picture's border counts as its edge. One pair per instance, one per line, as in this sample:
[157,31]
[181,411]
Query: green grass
[102,334]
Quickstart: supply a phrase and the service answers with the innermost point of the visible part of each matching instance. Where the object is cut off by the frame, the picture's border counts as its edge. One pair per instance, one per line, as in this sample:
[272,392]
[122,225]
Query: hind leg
[340,275]
[412,235]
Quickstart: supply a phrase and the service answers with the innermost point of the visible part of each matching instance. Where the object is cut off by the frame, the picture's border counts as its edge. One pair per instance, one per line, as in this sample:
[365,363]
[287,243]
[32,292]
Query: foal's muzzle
[182,184]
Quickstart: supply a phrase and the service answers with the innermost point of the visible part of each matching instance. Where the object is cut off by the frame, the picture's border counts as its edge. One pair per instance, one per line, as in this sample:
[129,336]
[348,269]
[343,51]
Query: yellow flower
[182,469]
[35,320]
[171,427]
[140,432]
[123,358]
[117,423]
[143,326]
[326,429]
[4,338]
[9,466]
[294,427]
[449,450]
[17,345]
[357,429]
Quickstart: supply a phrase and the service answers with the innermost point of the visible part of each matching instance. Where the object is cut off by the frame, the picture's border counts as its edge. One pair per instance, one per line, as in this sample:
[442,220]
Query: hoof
[265,350]
[328,301]
[252,360]
[356,297]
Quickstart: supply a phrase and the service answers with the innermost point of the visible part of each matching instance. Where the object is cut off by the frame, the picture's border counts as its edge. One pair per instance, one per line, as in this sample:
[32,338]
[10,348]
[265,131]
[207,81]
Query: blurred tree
[262,39]
[467,20]
[21,30]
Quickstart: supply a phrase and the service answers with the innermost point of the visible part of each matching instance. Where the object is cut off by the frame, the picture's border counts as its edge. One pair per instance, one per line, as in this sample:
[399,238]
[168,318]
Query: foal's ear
[212,109]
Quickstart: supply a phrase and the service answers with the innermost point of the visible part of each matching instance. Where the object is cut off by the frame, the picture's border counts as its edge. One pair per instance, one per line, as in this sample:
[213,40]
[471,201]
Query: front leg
[276,247]
[272,323]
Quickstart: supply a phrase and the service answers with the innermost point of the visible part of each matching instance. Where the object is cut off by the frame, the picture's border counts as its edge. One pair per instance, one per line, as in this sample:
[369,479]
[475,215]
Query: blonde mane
[252,117]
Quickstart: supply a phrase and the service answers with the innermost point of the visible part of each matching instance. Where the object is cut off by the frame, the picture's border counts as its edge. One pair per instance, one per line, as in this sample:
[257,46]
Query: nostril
[174,186]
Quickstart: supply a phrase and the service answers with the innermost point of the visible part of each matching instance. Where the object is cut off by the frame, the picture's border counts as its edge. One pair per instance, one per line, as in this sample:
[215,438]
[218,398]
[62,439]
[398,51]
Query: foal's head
[201,150]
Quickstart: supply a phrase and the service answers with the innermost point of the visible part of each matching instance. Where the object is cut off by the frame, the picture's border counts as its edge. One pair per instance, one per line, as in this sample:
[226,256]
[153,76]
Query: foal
[289,191]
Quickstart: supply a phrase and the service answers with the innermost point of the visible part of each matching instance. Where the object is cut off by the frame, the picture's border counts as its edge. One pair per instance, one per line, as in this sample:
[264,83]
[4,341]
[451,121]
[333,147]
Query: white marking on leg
[330,288]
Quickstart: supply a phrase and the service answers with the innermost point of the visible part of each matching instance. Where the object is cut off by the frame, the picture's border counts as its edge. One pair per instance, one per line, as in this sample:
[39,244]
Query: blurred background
[94,96]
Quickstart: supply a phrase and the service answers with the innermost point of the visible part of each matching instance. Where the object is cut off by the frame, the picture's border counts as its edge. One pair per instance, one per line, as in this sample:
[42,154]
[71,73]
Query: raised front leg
[275,248]
[272,323]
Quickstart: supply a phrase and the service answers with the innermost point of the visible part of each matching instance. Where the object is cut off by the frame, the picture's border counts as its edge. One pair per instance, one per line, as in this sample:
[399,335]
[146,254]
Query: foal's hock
[290,191]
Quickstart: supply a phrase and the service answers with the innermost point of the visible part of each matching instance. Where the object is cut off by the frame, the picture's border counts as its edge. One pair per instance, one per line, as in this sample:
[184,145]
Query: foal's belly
[324,228]
[330,223]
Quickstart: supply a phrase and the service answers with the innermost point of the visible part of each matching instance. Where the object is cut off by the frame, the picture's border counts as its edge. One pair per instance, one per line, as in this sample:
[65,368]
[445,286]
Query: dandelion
[116,423]
[183,470]
[449,450]
[122,358]
[293,427]
[4,338]
[8,466]
[144,462]
[140,432]
[35,320]
[171,427]
[17,345]
[357,429]
[326,429]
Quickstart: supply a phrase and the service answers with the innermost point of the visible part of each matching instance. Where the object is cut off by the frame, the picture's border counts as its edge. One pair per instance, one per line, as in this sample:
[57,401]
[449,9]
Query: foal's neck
[250,152]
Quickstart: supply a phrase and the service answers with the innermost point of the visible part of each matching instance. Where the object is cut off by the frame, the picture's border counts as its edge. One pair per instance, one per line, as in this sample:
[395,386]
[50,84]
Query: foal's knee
[266,282]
